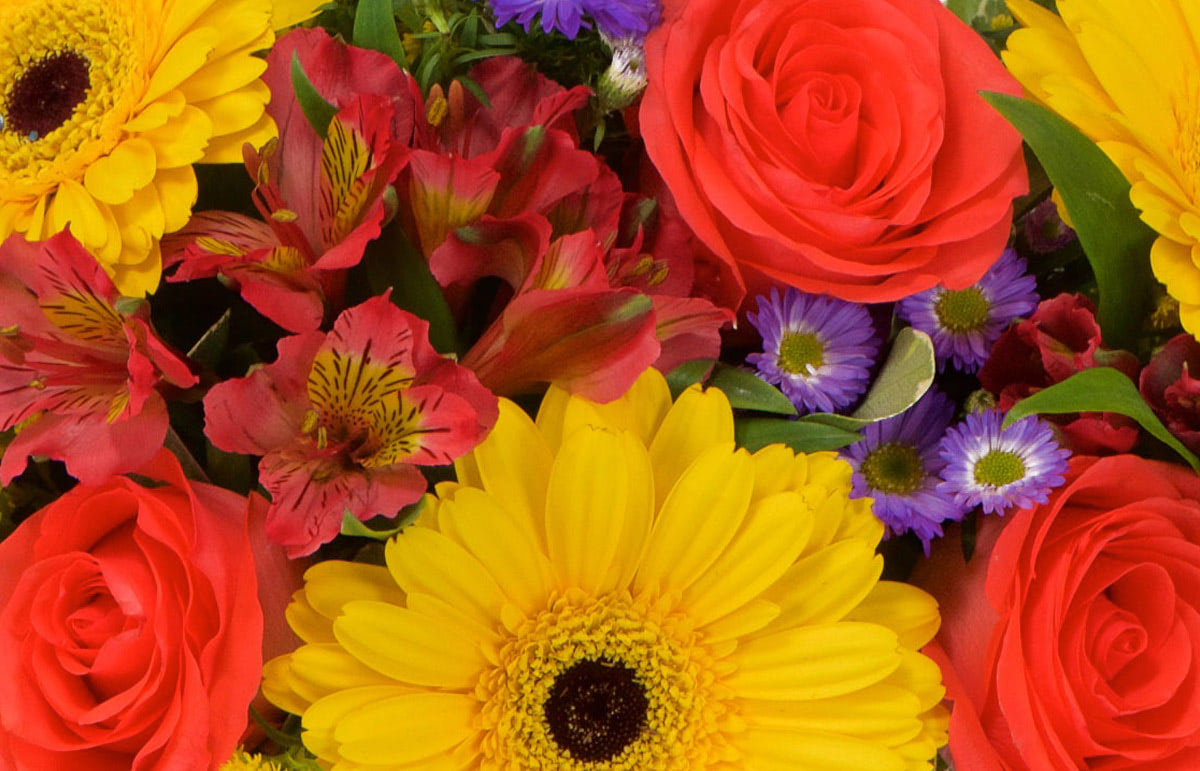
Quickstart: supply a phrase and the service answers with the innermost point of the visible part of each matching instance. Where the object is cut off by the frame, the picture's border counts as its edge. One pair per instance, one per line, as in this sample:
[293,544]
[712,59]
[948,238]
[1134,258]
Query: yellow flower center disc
[603,681]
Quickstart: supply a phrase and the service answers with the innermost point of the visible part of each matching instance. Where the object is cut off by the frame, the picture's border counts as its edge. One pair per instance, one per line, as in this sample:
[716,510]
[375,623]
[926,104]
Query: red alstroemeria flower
[343,419]
[321,200]
[79,370]
[496,196]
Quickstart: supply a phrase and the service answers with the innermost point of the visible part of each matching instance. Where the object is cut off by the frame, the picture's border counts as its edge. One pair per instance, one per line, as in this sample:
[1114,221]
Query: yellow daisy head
[618,587]
[1127,74]
[106,104]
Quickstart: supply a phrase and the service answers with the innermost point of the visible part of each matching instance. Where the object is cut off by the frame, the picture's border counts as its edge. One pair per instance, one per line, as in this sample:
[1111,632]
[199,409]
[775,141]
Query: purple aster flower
[615,18]
[964,323]
[819,350]
[999,468]
[896,463]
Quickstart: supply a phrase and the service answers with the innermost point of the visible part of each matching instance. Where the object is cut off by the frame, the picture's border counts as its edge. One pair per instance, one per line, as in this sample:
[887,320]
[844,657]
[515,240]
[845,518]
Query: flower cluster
[552,384]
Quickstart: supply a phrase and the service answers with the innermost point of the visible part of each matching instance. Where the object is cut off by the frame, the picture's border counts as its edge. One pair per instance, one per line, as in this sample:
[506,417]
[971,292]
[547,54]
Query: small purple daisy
[615,18]
[965,323]
[999,468]
[819,350]
[896,463]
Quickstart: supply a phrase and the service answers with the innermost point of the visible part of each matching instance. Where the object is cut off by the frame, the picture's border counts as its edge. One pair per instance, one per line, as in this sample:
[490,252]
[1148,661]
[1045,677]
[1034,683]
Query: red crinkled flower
[1058,340]
[1170,386]
[79,369]
[343,419]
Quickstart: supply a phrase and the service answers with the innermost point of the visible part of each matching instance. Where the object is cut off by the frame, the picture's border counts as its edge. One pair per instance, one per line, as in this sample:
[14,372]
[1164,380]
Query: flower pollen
[45,95]
[999,468]
[801,353]
[894,468]
[965,310]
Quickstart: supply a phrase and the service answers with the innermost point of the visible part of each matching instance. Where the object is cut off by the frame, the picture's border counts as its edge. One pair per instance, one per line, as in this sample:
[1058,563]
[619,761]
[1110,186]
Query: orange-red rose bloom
[838,146]
[130,628]
[1072,638]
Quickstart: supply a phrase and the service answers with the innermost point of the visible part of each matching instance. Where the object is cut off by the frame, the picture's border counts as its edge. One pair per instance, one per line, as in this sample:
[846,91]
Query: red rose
[1072,638]
[131,628]
[1058,340]
[838,146]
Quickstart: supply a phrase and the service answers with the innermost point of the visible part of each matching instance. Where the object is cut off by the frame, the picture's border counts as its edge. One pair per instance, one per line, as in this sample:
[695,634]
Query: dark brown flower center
[596,709]
[45,95]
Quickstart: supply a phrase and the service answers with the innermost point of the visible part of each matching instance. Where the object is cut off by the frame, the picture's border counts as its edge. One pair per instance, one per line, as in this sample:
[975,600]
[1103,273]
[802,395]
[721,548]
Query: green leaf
[208,349]
[393,262]
[801,436]
[686,374]
[352,526]
[318,111]
[747,391]
[903,379]
[375,28]
[1100,389]
[1115,240]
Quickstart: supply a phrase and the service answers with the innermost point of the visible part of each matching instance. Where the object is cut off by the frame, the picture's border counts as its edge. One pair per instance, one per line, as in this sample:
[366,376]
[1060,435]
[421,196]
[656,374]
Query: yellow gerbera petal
[322,718]
[329,585]
[407,646]
[503,545]
[315,671]
[825,585]
[881,712]
[585,507]
[697,520]
[433,723]
[903,608]
[513,465]
[769,541]
[699,420]
[309,625]
[422,560]
[790,750]
[277,686]
[814,662]
[73,205]
[285,13]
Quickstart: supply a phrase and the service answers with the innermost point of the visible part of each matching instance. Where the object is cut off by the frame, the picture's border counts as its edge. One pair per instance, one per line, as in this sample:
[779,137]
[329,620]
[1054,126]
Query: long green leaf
[1115,240]
[316,109]
[801,436]
[1100,389]
[375,28]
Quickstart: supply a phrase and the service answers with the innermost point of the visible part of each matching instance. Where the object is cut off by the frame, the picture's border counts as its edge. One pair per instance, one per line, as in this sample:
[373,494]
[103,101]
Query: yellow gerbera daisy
[106,104]
[1127,74]
[618,587]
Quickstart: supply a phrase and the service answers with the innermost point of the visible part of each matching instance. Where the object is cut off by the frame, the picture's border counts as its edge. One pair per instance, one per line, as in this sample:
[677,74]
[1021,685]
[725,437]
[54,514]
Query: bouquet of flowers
[599,384]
